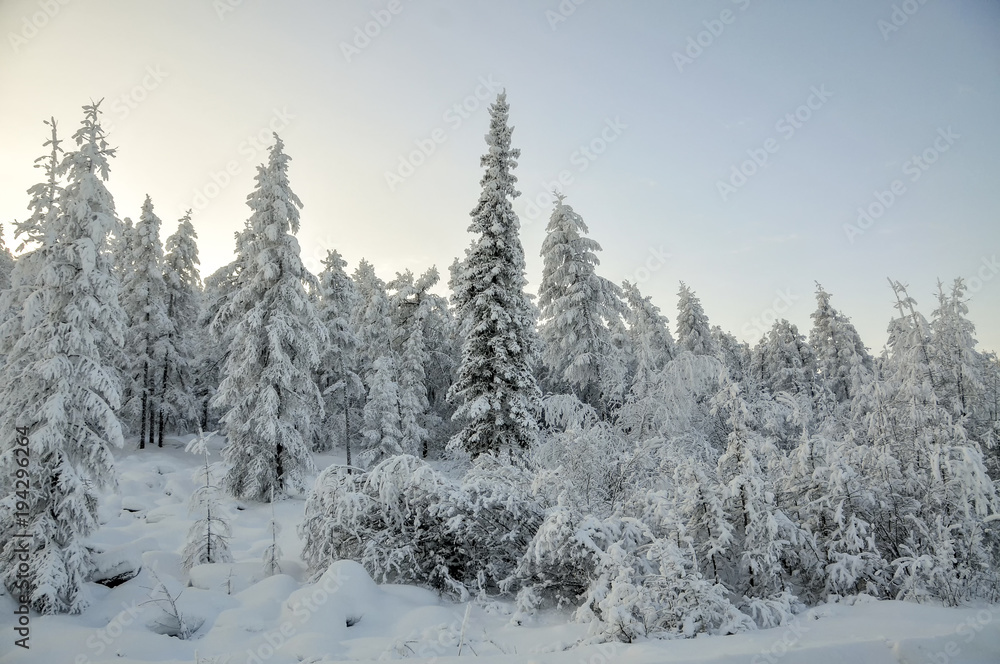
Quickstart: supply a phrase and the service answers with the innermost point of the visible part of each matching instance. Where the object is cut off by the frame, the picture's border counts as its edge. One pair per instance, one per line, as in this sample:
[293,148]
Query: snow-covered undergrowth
[237,612]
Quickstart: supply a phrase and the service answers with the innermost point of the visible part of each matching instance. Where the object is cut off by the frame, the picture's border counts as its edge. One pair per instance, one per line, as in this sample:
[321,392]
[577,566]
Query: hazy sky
[655,115]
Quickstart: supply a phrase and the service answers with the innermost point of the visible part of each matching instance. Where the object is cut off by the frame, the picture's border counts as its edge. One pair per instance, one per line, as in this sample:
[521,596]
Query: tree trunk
[145,404]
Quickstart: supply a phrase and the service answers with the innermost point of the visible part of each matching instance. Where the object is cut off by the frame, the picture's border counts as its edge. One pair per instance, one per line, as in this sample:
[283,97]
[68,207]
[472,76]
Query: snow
[237,611]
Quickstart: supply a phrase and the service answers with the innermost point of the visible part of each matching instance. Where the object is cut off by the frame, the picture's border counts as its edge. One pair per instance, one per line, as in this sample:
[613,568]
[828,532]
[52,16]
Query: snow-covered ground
[235,613]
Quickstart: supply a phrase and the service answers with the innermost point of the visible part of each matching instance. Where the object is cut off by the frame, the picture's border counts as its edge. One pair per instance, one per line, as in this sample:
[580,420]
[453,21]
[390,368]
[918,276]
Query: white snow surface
[238,615]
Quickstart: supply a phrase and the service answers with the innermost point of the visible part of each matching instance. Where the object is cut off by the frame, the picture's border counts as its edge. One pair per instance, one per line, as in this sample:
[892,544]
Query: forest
[571,448]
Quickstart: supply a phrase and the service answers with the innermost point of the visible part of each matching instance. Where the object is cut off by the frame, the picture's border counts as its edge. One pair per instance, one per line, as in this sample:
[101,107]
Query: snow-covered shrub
[407,523]
[625,580]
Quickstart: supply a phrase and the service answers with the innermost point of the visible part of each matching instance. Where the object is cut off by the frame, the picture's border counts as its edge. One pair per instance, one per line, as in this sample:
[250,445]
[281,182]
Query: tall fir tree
[59,391]
[843,364]
[371,317]
[182,281]
[579,310]
[693,331]
[341,385]
[31,234]
[145,303]
[495,389]
[268,393]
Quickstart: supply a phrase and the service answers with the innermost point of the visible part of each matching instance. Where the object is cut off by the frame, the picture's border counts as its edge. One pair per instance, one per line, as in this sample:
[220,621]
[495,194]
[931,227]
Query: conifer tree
[149,325]
[177,400]
[208,537]
[341,385]
[371,317]
[843,364]
[383,426]
[693,331]
[578,311]
[495,389]
[59,391]
[268,393]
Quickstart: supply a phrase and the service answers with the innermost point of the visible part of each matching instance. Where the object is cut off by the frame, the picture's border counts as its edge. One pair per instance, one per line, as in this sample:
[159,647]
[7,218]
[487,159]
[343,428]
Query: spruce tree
[371,318]
[268,393]
[383,435]
[693,331]
[495,389]
[843,364]
[145,305]
[177,399]
[338,379]
[59,391]
[578,311]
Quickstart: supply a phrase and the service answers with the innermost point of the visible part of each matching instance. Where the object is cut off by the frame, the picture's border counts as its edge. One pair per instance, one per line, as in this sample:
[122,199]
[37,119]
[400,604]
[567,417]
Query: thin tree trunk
[347,427]
[145,404]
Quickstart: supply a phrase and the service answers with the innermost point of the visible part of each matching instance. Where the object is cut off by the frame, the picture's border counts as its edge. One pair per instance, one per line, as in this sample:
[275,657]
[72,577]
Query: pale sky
[647,110]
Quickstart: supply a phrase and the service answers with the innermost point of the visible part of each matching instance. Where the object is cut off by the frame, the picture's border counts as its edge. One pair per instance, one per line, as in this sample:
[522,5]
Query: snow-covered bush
[625,580]
[407,523]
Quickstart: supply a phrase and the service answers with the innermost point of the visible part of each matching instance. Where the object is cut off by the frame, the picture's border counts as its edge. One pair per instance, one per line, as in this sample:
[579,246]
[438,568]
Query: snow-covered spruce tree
[693,331]
[272,552]
[949,549]
[734,354]
[31,234]
[271,401]
[650,342]
[214,334]
[763,536]
[953,348]
[495,388]
[409,307]
[383,435]
[785,360]
[843,364]
[59,392]
[371,318]
[650,348]
[577,308]
[208,537]
[145,304]
[338,378]
[783,365]
[178,404]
